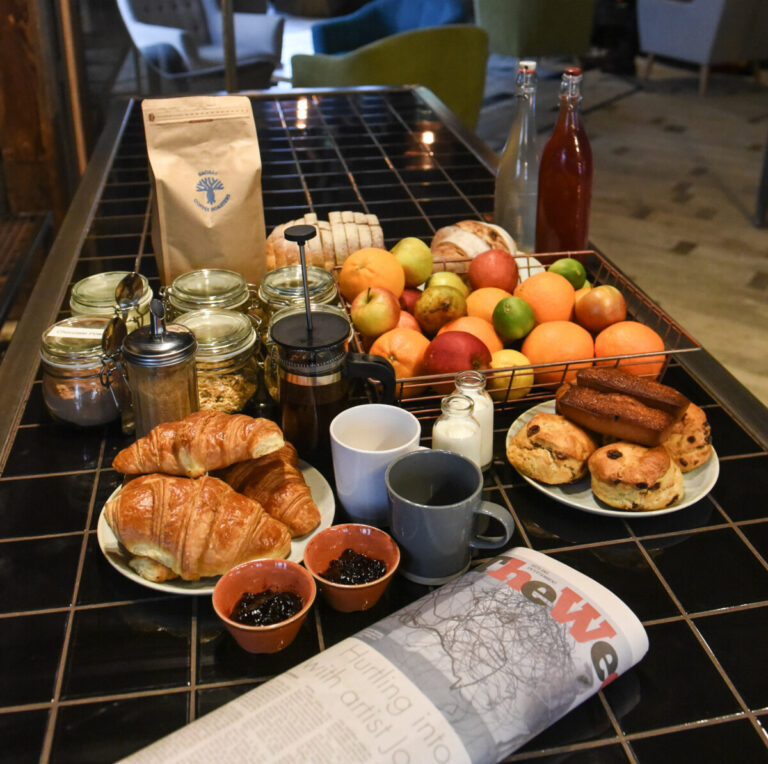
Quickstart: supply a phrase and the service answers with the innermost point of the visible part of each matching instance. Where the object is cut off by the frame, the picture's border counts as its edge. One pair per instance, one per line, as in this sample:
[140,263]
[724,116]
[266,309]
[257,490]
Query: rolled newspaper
[468,673]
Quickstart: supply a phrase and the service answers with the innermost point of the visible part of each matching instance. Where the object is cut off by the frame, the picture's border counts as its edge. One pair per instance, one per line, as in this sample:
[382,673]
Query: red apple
[493,268]
[374,311]
[451,352]
[409,298]
[599,307]
[407,321]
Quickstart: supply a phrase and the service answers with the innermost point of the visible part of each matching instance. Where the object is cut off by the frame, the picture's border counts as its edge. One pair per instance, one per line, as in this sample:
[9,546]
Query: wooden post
[30,123]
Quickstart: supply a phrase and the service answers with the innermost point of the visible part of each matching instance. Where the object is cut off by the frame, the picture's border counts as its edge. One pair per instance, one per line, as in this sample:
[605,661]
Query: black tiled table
[95,666]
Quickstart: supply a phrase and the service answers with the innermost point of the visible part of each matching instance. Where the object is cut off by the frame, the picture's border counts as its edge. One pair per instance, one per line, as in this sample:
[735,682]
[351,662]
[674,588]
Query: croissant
[276,482]
[177,526]
[206,440]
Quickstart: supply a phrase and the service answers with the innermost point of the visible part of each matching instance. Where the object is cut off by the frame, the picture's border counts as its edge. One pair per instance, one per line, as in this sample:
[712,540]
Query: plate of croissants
[613,443]
[203,494]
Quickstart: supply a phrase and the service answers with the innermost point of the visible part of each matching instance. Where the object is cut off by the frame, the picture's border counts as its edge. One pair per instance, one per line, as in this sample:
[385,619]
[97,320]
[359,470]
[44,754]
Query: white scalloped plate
[698,483]
[118,557]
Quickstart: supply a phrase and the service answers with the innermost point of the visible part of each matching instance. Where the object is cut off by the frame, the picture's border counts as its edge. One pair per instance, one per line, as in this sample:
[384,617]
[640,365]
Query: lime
[512,319]
[571,269]
[501,386]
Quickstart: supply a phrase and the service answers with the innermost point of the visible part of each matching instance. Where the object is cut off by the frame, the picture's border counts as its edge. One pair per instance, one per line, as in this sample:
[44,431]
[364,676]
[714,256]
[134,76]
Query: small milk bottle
[456,429]
[472,384]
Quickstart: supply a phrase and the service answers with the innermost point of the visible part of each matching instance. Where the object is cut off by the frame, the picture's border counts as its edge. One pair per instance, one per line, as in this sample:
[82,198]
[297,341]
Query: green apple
[416,258]
[449,278]
[375,311]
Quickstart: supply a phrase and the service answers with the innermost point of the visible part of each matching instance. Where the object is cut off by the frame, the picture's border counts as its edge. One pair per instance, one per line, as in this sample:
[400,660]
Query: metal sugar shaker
[160,366]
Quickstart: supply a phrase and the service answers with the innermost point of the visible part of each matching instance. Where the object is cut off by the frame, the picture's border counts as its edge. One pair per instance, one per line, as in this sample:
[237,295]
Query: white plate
[697,483]
[527,265]
[118,557]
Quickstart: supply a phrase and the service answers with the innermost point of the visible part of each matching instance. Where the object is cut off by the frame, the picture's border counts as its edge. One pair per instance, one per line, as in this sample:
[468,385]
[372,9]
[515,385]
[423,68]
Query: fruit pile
[496,316]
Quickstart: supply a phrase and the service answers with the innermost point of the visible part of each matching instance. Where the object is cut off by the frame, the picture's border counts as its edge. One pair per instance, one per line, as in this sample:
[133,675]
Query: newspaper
[468,673]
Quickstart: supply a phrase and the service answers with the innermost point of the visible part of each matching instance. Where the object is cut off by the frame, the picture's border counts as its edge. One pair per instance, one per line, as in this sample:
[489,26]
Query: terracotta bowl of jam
[352,564]
[264,602]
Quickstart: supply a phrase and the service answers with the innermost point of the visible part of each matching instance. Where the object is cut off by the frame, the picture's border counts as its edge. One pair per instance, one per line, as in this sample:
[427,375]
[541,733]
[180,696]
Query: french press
[314,369]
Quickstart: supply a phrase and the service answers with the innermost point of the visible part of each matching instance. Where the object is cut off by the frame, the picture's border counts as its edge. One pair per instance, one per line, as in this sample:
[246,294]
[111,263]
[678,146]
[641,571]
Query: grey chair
[703,32]
[182,43]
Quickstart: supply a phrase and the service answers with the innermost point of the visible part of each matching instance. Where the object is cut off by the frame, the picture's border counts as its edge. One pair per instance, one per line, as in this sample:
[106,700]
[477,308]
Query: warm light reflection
[302,110]
[428,137]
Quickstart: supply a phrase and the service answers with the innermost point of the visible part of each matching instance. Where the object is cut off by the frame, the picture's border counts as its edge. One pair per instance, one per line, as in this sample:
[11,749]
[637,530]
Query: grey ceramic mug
[434,498]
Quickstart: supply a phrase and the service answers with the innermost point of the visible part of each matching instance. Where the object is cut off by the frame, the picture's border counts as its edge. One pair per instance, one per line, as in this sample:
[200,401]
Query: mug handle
[365,366]
[497,512]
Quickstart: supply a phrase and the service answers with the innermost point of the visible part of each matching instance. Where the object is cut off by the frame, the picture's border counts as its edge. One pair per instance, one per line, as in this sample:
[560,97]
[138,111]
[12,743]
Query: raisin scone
[690,442]
[630,476]
[551,449]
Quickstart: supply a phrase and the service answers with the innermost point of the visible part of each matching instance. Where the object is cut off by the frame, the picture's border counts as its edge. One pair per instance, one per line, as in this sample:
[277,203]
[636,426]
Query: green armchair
[535,28]
[449,60]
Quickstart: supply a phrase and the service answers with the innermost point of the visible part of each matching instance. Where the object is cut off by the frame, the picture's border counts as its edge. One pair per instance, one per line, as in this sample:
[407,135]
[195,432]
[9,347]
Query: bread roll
[463,241]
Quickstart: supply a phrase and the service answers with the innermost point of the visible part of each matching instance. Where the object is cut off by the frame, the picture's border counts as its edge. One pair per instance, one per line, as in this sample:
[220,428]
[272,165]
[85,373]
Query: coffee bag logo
[213,190]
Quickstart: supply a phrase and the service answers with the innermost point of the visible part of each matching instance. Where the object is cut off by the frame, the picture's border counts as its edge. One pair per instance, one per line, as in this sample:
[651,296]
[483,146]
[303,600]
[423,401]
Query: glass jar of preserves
[208,289]
[95,295]
[282,287]
[70,353]
[227,369]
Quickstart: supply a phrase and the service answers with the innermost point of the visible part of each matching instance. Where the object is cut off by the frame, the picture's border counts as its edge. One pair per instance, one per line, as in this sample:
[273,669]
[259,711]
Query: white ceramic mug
[365,439]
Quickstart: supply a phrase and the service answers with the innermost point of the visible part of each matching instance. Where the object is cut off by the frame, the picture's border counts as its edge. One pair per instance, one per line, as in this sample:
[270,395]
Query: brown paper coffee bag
[206,166]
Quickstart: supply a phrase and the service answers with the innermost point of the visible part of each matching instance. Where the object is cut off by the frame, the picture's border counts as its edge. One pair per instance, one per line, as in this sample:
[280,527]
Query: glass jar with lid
[95,295]
[227,369]
[282,287]
[208,289]
[70,353]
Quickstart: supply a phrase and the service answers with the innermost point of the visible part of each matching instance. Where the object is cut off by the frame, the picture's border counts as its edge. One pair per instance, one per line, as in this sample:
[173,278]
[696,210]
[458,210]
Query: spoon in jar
[128,293]
[113,375]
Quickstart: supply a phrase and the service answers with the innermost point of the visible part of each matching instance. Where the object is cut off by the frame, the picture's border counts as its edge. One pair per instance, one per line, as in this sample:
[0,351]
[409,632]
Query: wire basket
[508,385]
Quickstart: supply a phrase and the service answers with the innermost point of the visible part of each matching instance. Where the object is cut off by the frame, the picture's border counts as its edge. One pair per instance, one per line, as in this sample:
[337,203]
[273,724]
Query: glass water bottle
[565,176]
[517,181]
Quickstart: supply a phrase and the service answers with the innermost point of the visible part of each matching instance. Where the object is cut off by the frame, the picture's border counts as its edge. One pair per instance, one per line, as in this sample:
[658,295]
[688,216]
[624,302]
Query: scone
[630,476]
[690,442]
[551,449]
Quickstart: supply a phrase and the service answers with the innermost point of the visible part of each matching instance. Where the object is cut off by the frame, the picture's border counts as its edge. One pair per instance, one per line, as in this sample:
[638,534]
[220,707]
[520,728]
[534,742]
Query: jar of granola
[70,353]
[227,369]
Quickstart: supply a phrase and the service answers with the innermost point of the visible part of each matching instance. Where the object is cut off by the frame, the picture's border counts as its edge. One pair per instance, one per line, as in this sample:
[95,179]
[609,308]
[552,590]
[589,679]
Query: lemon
[512,318]
[571,269]
[522,381]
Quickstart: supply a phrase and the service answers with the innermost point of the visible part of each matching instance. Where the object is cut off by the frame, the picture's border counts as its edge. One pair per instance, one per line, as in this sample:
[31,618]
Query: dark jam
[266,608]
[354,568]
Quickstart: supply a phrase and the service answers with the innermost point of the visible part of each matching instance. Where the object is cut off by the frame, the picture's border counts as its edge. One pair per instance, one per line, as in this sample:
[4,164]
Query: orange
[404,349]
[482,301]
[628,338]
[557,341]
[549,294]
[481,328]
[371,267]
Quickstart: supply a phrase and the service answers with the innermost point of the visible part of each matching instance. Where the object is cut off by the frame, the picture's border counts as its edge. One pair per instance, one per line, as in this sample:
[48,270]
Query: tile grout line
[59,681]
